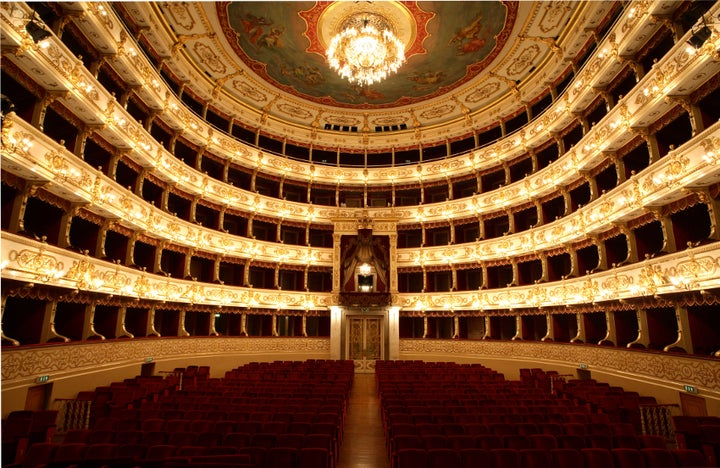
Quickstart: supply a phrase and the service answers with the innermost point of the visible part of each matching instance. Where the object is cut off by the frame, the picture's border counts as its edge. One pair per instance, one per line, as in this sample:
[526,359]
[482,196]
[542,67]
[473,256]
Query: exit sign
[42,379]
[583,366]
[690,389]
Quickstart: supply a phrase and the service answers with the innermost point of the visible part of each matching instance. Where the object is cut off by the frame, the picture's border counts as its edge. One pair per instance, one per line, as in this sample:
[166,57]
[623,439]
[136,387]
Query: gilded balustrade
[30,261]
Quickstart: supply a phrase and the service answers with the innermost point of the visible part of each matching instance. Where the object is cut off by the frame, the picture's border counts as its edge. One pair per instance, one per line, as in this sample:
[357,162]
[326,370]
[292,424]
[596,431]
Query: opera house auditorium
[360,234]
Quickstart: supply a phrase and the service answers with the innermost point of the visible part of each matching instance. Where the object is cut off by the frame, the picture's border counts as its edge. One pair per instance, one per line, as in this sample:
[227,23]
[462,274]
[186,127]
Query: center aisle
[363,443]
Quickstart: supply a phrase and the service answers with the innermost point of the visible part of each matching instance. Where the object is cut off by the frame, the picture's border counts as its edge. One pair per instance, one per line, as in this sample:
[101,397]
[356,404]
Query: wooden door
[365,342]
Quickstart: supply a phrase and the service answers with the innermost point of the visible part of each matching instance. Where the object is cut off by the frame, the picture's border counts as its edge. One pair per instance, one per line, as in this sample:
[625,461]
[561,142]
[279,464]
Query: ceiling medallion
[365,50]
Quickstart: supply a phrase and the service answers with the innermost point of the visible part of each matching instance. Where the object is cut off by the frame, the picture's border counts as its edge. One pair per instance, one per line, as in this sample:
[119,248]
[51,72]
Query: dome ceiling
[448,45]
[469,65]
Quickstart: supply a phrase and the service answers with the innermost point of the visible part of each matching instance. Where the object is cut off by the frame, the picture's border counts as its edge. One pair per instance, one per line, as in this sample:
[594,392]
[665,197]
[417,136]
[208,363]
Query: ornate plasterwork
[671,369]
[27,260]
[667,179]
[19,365]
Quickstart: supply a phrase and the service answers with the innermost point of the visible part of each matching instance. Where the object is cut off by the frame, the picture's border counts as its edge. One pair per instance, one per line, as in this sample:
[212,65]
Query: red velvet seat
[505,458]
[489,442]
[312,457]
[435,441]
[412,458]
[73,436]
[626,441]
[544,441]
[263,439]
[597,458]
[182,438]
[567,458]
[517,442]
[536,458]
[280,457]
[571,441]
[442,458]
[658,458]
[101,452]
[652,441]
[69,452]
[599,441]
[474,457]
[38,454]
[289,440]
[687,458]
[161,451]
[462,441]
[628,458]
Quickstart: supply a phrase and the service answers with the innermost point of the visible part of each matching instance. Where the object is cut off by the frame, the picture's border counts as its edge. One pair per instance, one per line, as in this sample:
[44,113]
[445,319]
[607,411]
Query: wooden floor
[363,444]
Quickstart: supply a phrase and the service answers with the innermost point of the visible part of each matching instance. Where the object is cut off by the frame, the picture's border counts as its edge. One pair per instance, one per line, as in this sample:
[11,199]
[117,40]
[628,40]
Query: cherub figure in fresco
[471,38]
[426,79]
[253,26]
[272,39]
[308,74]
[363,91]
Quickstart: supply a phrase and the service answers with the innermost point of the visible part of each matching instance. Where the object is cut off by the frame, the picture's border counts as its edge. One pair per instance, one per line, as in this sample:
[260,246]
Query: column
[487,334]
[580,337]
[120,330]
[40,110]
[186,264]
[181,325]
[456,327]
[544,278]
[17,215]
[393,263]
[336,314]
[393,333]
[632,256]
[684,340]
[643,336]
[611,335]
[150,327]
[213,331]
[668,232]
[518,329]
[713,207]
[89,332]
[243,325]
[4,337]
[550,335]
[48,332]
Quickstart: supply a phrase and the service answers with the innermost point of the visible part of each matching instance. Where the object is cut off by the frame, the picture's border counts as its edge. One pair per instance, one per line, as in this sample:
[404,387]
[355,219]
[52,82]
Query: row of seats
[699,433]
[53,455]
[543,441]
[22,428]
[322,435]
[431,427]
[556,458]
[545,422]
[128,427]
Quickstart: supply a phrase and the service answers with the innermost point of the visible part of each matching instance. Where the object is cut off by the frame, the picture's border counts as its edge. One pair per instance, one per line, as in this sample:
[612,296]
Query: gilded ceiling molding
[671,68]
[294,130]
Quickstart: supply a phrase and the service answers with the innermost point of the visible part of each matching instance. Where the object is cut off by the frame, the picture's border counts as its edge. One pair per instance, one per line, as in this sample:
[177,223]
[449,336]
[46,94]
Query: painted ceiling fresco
[458,40]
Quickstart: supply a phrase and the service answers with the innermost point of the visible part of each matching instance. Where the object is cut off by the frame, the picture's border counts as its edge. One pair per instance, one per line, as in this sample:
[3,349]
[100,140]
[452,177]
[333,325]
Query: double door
[365,343]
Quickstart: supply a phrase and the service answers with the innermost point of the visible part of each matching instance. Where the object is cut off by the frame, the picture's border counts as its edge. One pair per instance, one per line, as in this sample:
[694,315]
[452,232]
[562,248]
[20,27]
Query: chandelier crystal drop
[365,51]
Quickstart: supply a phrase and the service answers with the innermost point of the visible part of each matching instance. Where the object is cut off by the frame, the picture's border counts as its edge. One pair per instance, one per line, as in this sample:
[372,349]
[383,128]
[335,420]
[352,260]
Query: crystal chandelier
[365,50]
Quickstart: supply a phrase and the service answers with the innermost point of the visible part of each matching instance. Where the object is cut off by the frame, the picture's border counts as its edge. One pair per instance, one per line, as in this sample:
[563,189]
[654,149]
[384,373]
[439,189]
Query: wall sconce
[36,30]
